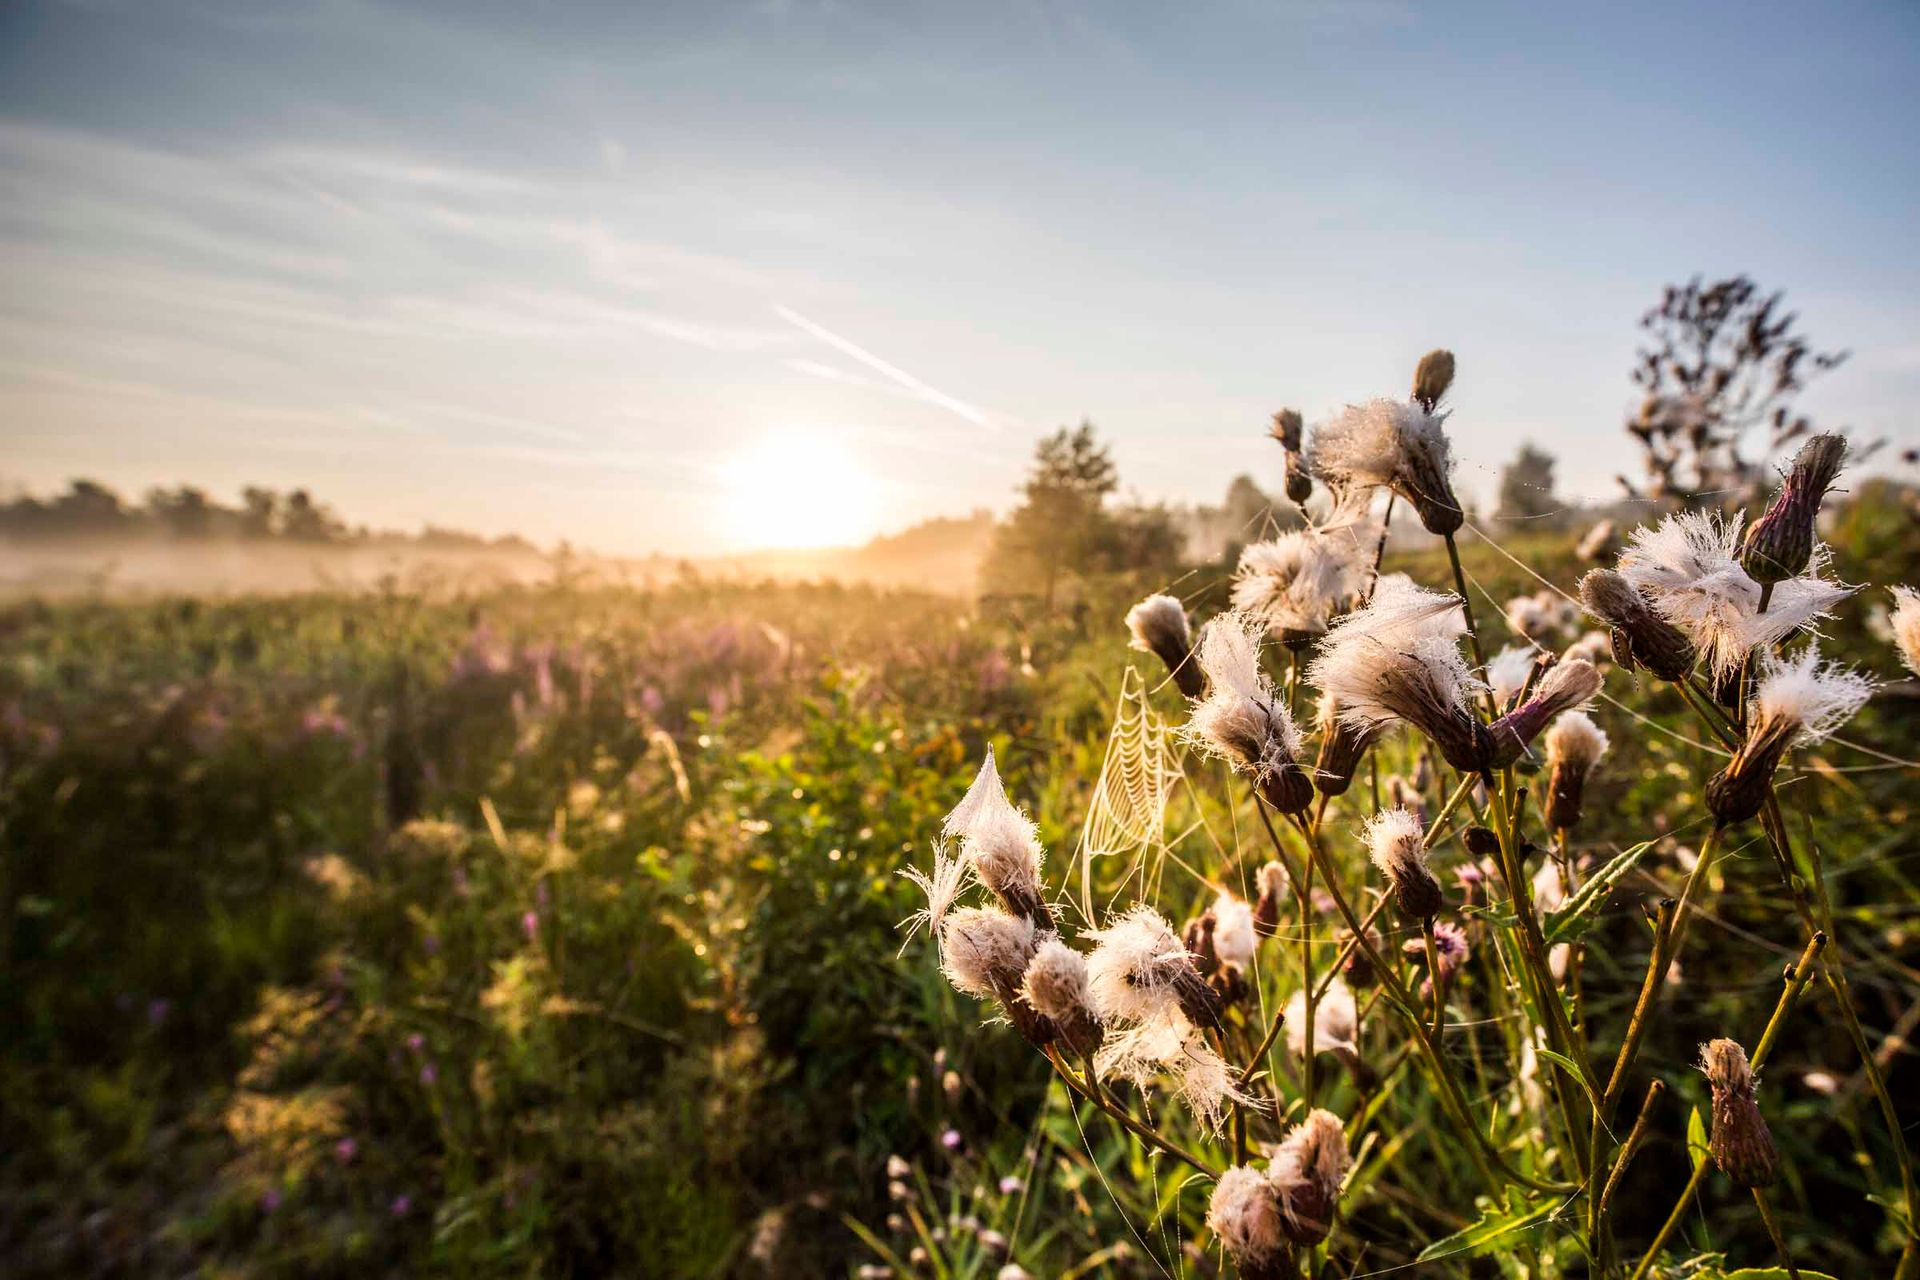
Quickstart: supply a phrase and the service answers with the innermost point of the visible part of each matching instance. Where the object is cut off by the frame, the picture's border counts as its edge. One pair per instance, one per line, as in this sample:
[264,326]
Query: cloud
[978,416]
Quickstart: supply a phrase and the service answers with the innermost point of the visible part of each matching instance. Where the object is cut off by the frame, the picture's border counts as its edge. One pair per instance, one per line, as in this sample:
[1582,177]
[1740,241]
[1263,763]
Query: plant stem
[1599,1239]
[1773,1229]
[1657,964]
[1126,1121]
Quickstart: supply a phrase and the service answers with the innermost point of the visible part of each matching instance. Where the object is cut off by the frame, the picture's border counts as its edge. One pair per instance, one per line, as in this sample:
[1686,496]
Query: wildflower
[1233,934]
[1739,1139]
[897,1167]
[1342,746]
[1307,1172]
[1641,637]
[1000,844]
[984,953]
[1159,626]
[1566,685]
[1140,972]
[951,1140]
[1905,621]
[1779,544]
[1245,1213]
[1055,985]
[1689,567]
[1393,444]
[1398,658]
[1451,952]
[1272,879]
[941,886]
[1574,745]
[345,1150]
[1011,1184]
[1595,646]
[1796,702]
[1242,720]
[402,1205]
[1397,845]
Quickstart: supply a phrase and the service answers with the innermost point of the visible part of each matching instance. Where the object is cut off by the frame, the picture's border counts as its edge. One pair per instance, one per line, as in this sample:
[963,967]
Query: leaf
[1572,1068]
[1775,1273]
[1494,1230]
[1574,918]
[1697,1149]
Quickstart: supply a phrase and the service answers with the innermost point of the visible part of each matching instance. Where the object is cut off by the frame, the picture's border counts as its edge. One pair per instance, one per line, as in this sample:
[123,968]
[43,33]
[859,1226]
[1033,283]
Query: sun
[800,489]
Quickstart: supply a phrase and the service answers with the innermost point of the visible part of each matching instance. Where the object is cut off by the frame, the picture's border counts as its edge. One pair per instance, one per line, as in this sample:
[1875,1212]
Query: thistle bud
[1641,637]
[1739,1140]
[1199,943]
[1481,842]
[1159,626]
[1299,479]
[1358,967]
[1779,544]
[1432,378]
[1574,745]
[1398,848]
[1288,427]
[1272,879]
[1245,1213]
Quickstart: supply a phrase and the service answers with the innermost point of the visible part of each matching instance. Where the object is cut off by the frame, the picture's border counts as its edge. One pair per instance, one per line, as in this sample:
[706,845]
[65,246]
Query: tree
[1062,525]
[1526,486]
[308,521]
[262,508]
[1723,365]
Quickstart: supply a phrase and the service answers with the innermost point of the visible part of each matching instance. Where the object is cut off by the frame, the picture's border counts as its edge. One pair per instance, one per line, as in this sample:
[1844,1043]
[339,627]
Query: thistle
[1242,719]
[1905,624]
[1307,1171]
[984,952]
[1739,1139]
[1140,972]
[1296,582]
[1574,745]
[1272,882]
[1399,445]
[1159,626]
[1342,746]
[1641,637]
[1001,845]
[1245,1213]
[1055,986]
[1432,377]
[1336,1027]
[1796,702]
[1566,685]
[1397,845]
[1779,544]
[1287,427]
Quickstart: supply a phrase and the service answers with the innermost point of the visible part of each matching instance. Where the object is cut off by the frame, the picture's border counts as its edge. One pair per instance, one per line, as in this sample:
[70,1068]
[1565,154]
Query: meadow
[554,930]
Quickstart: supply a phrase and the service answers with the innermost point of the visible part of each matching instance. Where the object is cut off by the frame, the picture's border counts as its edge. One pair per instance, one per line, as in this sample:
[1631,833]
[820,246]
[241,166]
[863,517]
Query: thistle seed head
[1307,1171]
[1574,745]
[1739,1141]
[1779,544]
[1245,1214]
[1158,625]
[1641,637]
[1397,845]
[1431,379]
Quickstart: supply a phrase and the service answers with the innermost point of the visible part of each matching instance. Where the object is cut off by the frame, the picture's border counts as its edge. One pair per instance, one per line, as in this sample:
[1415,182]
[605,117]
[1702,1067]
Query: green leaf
[1495,1229]
[1572,1068]
[1574,918]
[1697,1138]
[1775,1273]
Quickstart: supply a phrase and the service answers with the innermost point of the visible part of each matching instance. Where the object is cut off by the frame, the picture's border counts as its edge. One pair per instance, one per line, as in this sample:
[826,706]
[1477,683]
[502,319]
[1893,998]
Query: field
[553,931]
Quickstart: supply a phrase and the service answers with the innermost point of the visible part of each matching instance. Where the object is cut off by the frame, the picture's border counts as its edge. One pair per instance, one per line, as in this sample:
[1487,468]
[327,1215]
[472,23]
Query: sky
[700,277]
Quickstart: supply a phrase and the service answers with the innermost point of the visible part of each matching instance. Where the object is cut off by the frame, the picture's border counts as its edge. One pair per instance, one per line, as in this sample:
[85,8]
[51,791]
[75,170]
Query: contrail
[972,413]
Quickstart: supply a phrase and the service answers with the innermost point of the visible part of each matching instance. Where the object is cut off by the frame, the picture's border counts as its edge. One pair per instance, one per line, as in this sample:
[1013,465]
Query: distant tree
[262,508]
[185,512]
[1247,508]
[1720,371]
[1526,486]
[305,520]
[1061,524]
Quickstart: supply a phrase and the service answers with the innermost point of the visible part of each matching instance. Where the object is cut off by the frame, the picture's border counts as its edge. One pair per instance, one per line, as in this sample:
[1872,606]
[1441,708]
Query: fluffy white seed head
[1576,740]
[1382,442]
[1396,843]
[1245,1214]
[1168,1045]
[1725,1065]
[1241,720]
[1905,622]
[1133,967]
[1055,983]
[983,950]
[1336,1021]
[1805,698]
[1000,843]
[1688,567]
[1567,686]
[1307,1171]
[1157,624]
[942,886]
[1233,938]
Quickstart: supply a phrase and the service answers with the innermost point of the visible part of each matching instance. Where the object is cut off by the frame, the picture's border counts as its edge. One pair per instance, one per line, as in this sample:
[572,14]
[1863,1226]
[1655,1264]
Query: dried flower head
[1574,745]
[942,886]
[1175,1048]
[1739,1139]
[1158,626]
[1140,972]
[1397,845]
[1273,885]
[1566,686]
[1001,845]
[1641,637]
[984,952]
[1779,544]
[1336,1022]
[1796,702]
[1245,1214]
[1688,566]
[1242,719]
[1598,543]
[1307,1171]
[1398,658]
[1055,985]
[1509,671]
[1233,935]
[1431,378]
[1287,428]
[1293,584]
[1343,745]
[1400,445]
[1905,622]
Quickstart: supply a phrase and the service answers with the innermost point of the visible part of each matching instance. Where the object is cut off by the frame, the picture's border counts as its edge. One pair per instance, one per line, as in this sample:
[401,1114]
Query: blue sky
[561,268]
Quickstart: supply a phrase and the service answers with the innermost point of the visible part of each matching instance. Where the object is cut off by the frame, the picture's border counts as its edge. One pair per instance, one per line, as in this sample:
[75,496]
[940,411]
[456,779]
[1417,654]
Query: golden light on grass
[800,489]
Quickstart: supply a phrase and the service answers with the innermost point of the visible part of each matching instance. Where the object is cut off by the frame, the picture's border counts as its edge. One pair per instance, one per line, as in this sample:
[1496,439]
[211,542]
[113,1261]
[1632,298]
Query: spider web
[1128,810]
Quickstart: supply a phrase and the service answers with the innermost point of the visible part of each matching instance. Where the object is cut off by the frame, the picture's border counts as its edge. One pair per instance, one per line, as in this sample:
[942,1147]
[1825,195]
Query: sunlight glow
[800,489]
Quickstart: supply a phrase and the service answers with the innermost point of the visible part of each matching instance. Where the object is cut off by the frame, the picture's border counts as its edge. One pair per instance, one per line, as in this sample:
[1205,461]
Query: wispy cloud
[973,413]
